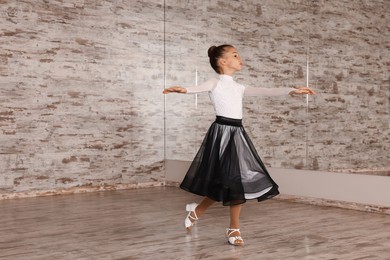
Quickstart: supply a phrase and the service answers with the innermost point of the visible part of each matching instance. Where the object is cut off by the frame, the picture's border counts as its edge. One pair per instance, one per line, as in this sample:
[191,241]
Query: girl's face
[231,61]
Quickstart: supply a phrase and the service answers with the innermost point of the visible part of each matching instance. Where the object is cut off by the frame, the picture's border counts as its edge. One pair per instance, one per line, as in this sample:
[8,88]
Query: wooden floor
[148,224]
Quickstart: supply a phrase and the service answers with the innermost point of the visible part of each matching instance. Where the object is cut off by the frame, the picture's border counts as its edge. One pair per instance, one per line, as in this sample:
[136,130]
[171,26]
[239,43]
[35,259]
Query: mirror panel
[349,127]
[336,48]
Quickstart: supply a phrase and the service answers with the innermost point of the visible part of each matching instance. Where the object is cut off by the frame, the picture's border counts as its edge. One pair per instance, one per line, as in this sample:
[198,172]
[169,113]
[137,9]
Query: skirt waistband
[228,121]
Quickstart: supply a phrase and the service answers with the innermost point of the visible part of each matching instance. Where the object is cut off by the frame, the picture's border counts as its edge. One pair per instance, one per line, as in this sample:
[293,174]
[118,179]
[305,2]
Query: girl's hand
[302,90]
[175,89]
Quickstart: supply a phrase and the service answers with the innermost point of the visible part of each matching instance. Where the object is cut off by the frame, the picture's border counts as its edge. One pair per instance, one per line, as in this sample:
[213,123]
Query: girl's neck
[228,71]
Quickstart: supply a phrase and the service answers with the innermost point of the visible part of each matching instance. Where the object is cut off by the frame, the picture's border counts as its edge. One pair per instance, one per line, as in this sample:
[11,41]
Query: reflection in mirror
[349,122]
[336,49]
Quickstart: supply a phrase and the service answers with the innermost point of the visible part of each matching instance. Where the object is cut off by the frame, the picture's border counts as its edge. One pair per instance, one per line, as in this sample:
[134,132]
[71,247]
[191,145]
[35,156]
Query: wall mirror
[345,128]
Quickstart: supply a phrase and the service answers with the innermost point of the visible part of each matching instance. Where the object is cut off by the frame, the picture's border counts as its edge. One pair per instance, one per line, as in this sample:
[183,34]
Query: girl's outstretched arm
[204,87]
[252,91]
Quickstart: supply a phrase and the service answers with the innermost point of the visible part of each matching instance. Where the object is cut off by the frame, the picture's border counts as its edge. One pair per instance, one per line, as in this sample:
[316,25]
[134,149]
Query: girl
[227,167]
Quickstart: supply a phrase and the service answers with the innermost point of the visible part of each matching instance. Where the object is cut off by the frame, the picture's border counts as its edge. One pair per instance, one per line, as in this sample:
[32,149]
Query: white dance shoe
[190,220]
[234,240]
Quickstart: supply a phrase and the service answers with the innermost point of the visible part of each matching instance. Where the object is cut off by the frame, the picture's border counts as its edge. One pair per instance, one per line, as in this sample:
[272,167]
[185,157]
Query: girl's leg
[197,212]
[233,230]
[203,206]
[235,211]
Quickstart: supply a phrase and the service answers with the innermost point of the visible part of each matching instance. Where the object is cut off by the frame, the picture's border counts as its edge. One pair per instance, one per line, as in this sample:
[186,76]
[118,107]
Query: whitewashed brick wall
[81,104]
[80,86]
[346,127]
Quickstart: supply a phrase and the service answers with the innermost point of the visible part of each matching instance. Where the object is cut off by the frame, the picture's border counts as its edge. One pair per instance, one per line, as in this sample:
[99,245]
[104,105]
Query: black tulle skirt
[227,167]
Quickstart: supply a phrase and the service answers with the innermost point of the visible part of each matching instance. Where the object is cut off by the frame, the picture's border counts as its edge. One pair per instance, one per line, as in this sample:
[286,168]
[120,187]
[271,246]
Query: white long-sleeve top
[226,94]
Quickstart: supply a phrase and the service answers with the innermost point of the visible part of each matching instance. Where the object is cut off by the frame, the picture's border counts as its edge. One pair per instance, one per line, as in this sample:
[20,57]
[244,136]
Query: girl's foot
[191,218]
[234,237]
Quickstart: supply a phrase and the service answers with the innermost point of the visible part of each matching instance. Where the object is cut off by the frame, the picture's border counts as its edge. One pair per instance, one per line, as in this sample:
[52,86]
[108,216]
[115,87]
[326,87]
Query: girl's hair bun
[211,49]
